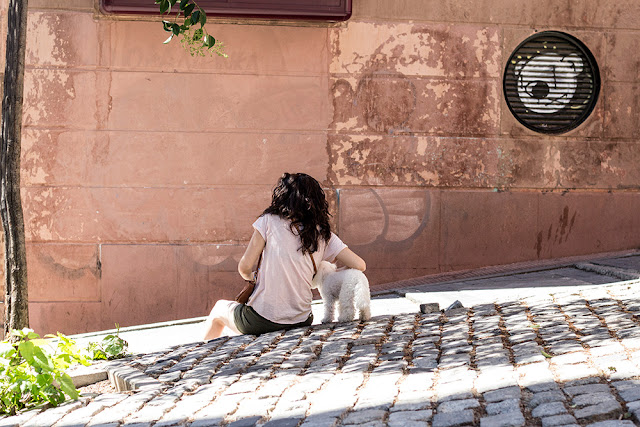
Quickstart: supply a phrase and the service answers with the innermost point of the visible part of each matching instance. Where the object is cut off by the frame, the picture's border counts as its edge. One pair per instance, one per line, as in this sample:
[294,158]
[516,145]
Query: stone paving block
[523,359]
[187,406]
[390,366]
[19,419]
[493,360]
[245,422]
[409,418]
[276,386]
[630,343]
[496,378]
[123,409]
[570,358]
[53,415]
[512,392]
[586,389]
[574,372]
[283,422]
[523,337]
[463,373]
[627,384]
[596,339]
[454,360]
[502,407]
[565,346]
[558,420]
[452,391]
[527,347]
[548,409]
[428,364]
[546,397]
[80,416]
[289,409]
[622,370]
[457,405]
[203,422]
[125,377]
[583,400]
[612,348]
[170,376]
[537,385]
[507,419]
[153,410]
[582,381]
[406,402]
[244,386]
[612,423]
[217,410]
[327,404]
[604,410]
[254,406]
[451,419]
[364,416]
[320,421]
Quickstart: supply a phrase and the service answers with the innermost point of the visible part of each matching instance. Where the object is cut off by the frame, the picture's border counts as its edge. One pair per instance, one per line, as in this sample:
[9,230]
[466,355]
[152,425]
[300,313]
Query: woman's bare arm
[251,255]
[351,260]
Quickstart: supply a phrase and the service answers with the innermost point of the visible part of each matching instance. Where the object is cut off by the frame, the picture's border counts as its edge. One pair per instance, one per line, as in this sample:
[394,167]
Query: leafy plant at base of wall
[111,347]
[32,371]
[198,42]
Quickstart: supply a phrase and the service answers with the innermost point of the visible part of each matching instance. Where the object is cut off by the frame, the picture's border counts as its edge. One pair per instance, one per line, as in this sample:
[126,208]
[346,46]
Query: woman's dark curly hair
[299,198]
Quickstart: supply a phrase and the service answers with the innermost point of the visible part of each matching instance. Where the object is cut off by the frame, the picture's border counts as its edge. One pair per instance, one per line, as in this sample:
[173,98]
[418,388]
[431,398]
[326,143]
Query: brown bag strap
[259,262]
[315,269]
[255,277]
[313,261]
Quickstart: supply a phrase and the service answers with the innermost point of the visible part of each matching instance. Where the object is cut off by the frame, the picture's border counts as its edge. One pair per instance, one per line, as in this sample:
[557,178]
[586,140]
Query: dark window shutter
[327,10]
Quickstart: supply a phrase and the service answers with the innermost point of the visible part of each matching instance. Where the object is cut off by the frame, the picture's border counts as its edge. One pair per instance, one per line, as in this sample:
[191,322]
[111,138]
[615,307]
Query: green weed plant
[32,370]
[111,347]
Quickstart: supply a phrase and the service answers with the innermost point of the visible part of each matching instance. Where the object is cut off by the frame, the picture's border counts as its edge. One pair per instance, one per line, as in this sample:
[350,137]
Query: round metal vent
[551,82]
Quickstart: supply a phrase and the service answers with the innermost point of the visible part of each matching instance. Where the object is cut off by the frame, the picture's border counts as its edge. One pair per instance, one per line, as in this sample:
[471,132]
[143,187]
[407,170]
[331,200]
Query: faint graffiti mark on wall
[380,222]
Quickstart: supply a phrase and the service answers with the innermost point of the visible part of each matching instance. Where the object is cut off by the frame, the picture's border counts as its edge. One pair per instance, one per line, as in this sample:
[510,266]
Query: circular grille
[551,82]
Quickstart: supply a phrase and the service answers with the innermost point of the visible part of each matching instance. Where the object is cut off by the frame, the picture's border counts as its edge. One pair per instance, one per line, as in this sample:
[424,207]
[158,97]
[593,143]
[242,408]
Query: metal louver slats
[551,82]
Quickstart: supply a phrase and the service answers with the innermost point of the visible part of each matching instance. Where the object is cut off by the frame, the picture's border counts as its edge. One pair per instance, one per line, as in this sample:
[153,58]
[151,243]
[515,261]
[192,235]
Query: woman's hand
[251,255]
[350,260]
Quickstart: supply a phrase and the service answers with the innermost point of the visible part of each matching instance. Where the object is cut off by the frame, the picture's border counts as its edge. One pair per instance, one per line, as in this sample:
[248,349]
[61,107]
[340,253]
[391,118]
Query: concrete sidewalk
[558,345]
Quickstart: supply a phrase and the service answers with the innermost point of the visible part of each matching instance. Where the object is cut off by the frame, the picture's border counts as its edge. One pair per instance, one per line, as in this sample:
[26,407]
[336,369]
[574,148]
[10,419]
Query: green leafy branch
[196,41]
[32,372]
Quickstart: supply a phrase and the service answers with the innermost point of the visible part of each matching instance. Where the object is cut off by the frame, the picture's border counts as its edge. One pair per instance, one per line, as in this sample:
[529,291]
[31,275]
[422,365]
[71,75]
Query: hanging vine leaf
[197,42]
[189,9]
[195,17]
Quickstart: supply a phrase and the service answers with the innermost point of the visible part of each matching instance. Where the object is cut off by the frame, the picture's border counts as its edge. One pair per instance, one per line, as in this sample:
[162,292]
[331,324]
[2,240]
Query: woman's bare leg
[221,315]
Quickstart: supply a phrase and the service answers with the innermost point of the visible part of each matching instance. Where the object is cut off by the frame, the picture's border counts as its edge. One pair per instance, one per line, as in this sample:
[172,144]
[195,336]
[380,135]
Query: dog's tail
[363,298]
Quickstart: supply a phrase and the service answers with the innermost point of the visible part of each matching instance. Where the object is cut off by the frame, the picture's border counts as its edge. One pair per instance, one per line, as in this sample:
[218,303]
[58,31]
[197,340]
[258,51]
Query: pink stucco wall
[143,167]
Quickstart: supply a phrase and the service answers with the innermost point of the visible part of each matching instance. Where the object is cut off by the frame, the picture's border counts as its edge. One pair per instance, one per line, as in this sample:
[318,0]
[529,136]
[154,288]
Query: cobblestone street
[568,358]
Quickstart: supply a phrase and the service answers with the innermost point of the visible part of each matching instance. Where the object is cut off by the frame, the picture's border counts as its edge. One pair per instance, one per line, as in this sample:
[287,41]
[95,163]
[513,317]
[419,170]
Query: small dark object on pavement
[430,307]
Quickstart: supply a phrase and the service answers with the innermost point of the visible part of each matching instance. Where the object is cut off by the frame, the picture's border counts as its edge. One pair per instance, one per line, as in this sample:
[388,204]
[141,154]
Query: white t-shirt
[283,287]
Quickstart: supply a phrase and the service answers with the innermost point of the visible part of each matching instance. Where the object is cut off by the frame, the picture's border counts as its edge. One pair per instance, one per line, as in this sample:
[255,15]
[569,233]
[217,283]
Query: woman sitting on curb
[292,235]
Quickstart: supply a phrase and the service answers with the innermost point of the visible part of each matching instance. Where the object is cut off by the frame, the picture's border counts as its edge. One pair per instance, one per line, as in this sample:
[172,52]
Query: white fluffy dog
[349,287]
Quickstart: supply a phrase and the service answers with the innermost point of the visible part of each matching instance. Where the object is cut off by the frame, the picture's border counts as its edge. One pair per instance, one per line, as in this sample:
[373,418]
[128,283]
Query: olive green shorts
[251,323]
